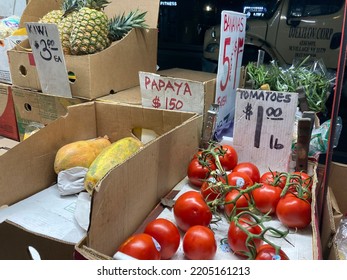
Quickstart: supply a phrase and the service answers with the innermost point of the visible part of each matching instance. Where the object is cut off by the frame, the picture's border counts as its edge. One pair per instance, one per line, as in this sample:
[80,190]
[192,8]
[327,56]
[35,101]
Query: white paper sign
[263,128]
[232,37]
[49,58]
[171,93]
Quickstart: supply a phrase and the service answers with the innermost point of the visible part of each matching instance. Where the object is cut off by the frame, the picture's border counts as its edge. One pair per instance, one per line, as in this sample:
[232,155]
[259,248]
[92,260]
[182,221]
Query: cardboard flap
[29,166]
[123,200]
[38,8]
[188,74]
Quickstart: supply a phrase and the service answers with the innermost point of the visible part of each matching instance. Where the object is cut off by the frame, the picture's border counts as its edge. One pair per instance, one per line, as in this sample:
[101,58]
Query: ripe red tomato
[239,179]
[209,190]
[293,211]
[227,156]
[306,180]
[242,202]
[167,235]
[199,169]
[237,236]
[268,252]
[190,209]
[141,246]
[199,243]
[249,168]
[266,198]
[273,178]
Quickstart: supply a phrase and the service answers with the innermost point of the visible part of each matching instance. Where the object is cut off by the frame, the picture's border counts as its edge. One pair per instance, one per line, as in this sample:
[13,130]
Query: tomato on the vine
[167,235]
[237,236]
[250,168]
[234,207]
[293,212]
[191,209]
[141,246]
[239,179]
[273,178]
[266,198]
[227,156]
[268,252]
[209,189]
[199,169]
[199,243]
[303,179]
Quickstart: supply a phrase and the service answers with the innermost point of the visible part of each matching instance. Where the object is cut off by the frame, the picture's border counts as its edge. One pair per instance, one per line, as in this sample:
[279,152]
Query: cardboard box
[98,245]
[112,70]
[161,164]
[206,80]
[334,208]
[37,109]
[6,144]
[8,123]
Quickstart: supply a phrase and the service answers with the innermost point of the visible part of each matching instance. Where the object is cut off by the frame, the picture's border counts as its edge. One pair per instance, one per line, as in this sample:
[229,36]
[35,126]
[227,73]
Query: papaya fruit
[110,157]
[79,153]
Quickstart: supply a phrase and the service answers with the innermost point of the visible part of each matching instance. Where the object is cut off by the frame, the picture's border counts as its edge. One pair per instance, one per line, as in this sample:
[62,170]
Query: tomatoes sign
[233,29]
[267,118]
[162,92]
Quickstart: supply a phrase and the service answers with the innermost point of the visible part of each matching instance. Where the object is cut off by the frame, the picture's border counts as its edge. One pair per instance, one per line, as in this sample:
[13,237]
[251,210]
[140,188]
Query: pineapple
[52,17]
[70,9]
[89,32]
[119,26]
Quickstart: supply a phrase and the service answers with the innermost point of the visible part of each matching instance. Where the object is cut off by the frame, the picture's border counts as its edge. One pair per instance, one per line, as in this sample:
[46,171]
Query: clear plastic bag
[341,238]
[320,137]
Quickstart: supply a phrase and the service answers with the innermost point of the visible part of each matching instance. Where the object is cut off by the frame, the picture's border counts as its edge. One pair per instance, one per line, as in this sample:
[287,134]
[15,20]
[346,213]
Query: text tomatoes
[237,236]
[227,156]
[199,243]
[141,246]
[266,198]
[273,178]
[167,235]
[239,179]
[190,209]
[199,169]
[293,211]
[268,252]
[249,168]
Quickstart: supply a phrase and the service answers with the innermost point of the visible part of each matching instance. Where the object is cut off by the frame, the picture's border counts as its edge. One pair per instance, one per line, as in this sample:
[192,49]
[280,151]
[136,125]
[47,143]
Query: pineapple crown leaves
[69,6]
[119,26]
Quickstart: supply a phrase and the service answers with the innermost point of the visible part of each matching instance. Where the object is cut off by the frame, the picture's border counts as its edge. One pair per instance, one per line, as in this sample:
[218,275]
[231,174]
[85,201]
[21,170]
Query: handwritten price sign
[263,129]
[171,93]
[49,59]
[233,30]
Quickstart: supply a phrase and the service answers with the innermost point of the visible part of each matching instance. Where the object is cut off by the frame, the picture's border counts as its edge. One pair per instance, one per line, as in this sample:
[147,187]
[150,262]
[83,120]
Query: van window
[311,8]
[260,9]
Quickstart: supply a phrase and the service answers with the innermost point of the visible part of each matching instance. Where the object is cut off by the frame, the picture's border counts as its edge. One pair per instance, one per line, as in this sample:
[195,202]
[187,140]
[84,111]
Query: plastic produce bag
[320,137]
[341,238]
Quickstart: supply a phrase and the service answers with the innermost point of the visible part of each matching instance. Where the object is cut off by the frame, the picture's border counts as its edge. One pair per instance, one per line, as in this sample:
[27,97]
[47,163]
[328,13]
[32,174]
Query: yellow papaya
[109,158]
[79,153]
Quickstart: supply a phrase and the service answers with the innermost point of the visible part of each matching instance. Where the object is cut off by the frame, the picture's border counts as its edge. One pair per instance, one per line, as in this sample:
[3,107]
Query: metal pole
[334,114]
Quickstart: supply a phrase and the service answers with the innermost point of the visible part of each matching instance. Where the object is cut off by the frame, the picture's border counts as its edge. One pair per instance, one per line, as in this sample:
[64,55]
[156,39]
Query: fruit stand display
[224,209]
[103,52]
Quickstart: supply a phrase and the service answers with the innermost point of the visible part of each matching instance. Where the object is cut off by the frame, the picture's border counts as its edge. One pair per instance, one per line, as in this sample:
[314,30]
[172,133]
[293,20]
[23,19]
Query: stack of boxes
[99,78]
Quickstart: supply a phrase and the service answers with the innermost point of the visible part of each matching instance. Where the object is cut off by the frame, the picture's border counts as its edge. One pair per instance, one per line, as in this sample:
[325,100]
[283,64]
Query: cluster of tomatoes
[236,191]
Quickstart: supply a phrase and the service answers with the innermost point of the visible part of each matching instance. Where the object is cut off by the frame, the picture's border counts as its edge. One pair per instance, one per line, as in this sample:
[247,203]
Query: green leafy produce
[317,85]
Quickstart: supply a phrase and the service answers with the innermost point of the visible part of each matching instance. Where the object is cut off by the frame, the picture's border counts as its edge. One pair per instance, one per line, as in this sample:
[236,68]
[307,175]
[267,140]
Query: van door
[311,28]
